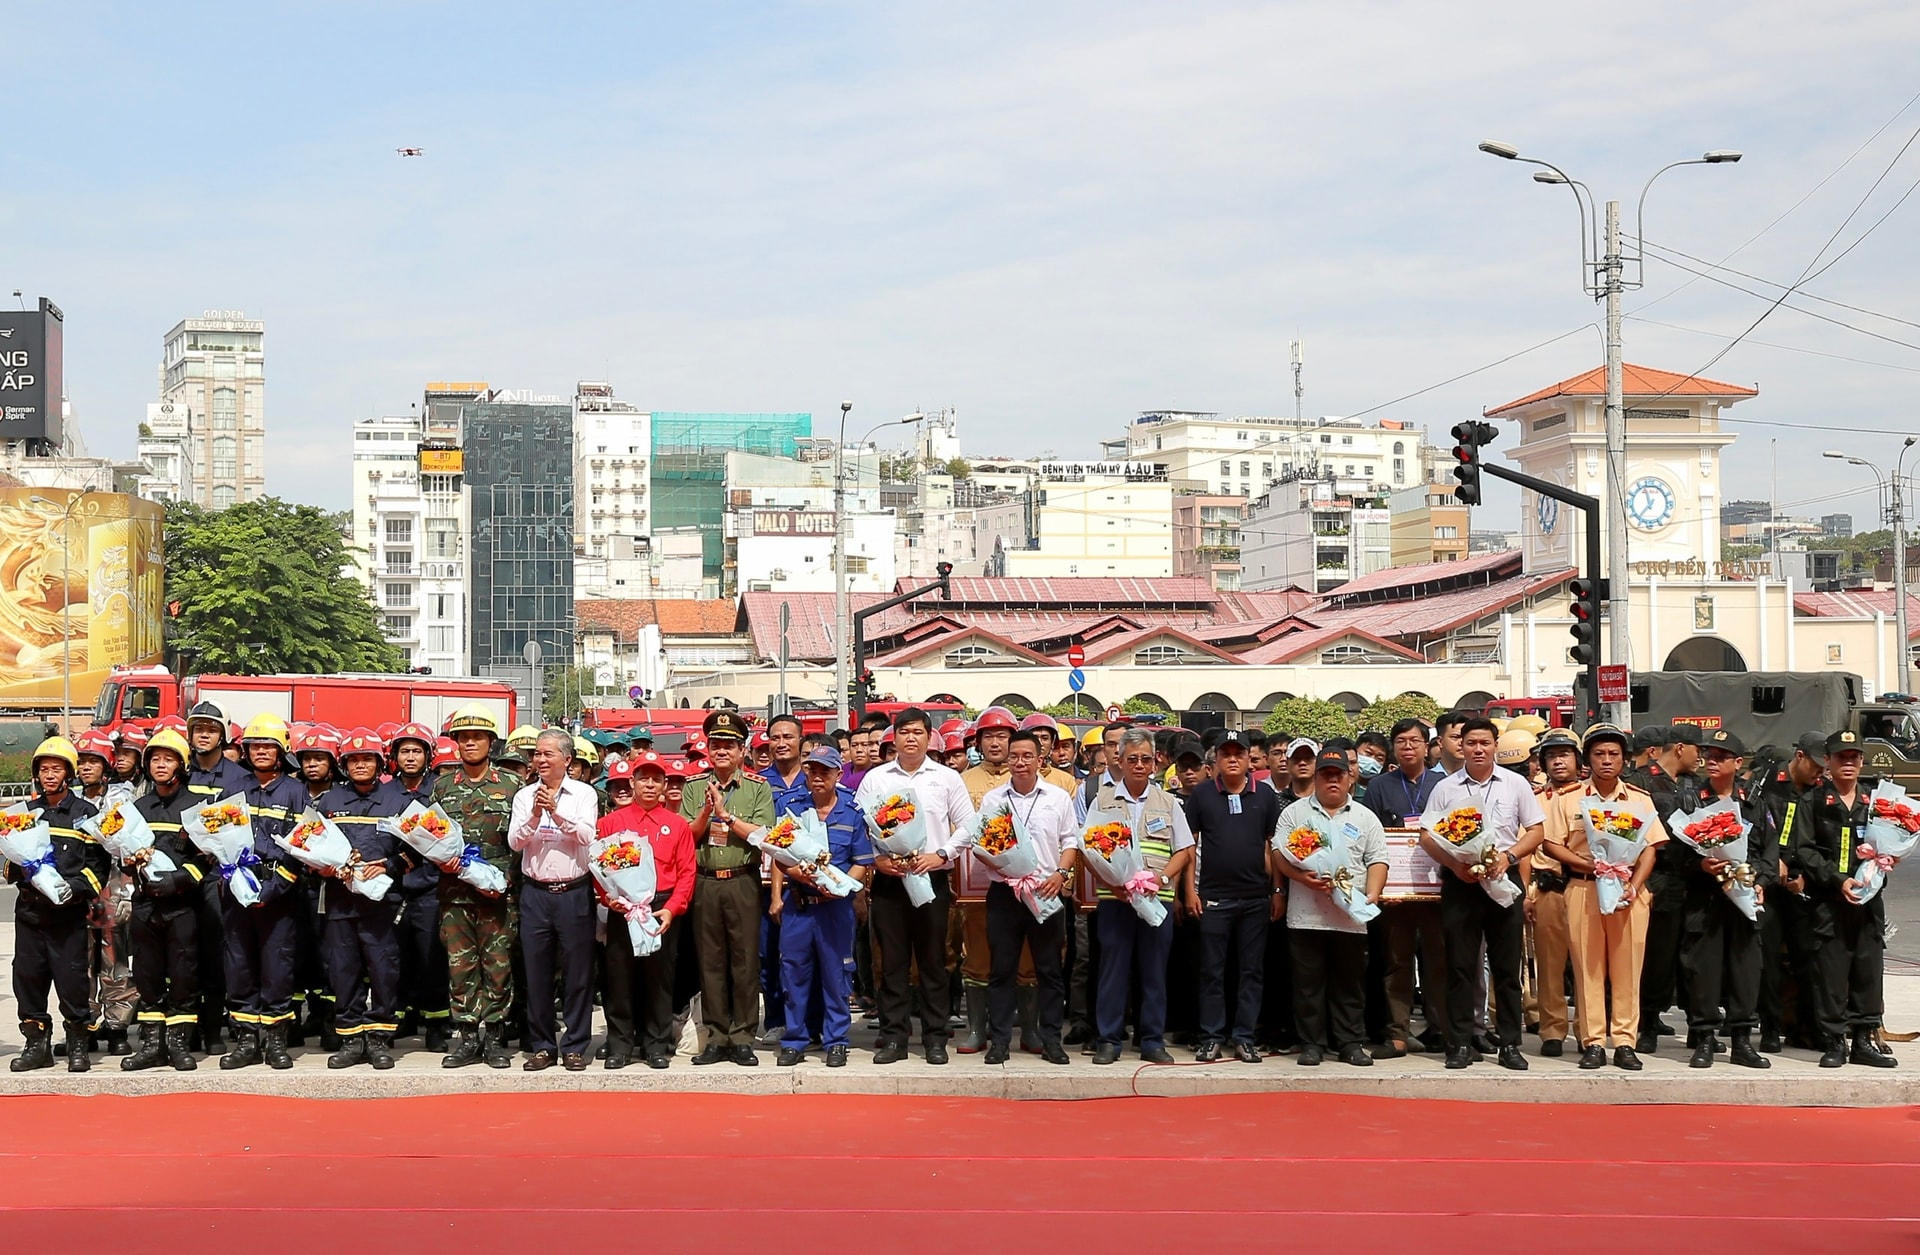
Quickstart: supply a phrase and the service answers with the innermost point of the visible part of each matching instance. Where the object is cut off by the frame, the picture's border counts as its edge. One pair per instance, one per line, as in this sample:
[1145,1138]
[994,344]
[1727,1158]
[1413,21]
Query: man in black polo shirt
[1238,893]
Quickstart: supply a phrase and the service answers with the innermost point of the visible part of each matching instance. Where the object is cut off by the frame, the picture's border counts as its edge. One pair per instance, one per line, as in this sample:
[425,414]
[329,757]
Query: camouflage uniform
[479,931]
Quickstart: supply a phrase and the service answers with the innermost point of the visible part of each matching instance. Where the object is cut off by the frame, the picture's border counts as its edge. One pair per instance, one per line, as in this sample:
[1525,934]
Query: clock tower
[1672,467]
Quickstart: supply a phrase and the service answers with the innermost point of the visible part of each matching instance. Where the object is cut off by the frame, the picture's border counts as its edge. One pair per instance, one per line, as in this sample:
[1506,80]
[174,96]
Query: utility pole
[1619,647]
[1900,579]
[841,630]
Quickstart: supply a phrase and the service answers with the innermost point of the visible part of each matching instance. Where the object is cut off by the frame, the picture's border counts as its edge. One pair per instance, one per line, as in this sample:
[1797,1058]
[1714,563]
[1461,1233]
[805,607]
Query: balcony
[1219,553]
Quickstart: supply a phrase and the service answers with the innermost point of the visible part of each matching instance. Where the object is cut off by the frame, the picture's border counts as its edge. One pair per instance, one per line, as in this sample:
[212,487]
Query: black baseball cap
[1332,760]
[1231,737]
[1684,734]
[1813,745]
[1847,739]
[1727,743]
[1186,745]
[1649,738]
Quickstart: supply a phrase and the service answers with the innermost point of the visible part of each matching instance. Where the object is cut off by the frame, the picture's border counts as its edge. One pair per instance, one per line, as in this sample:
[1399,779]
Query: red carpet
[520,1172]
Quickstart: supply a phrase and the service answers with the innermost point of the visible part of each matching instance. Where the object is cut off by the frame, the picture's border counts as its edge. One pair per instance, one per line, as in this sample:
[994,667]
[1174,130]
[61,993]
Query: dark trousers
[1414,945]
[1722,961]
[1276,988]
[556,933]
[51,956]
[209,919]
[1468,916]
[1773,964]
[1236,926]
[772,977]
[907,934]
[1009,923]
[816,966]
[1080,968]
[362,951]
[309,970]
[1128,947]
[1184,959]
[166,957]
[1848,993]
[726,929]
[639,992]
[259,958]
[423,958]
[1329,991]
[1660,970]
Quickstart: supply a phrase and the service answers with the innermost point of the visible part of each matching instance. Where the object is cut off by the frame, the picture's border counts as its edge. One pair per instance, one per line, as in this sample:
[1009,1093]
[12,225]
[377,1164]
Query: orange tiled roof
[675,617]
[1635,381]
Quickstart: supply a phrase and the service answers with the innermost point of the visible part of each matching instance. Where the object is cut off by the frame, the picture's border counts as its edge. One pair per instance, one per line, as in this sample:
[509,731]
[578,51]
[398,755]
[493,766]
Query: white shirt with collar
[945,803]
[1505,798]
[1046,813]
[553,844]
[1182,834]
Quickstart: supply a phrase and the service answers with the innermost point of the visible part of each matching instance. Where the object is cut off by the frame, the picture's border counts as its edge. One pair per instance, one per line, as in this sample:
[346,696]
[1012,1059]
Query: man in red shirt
[648,983]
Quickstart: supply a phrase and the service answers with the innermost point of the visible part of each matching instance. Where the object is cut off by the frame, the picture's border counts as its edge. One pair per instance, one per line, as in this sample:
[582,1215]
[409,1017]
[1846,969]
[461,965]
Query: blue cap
[826,756]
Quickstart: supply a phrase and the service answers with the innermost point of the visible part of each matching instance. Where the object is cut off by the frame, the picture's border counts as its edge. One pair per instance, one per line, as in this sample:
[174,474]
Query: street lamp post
[1603,276]
[1896,516]
[842,615]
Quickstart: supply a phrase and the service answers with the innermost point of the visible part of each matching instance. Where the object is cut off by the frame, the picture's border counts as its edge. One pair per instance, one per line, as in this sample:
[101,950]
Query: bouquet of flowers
[1325,854]
[437,837]
[1719,831]
[125,834]
[223,831]
[317,842]
[1893,828]
[800,840]
[622,863]
[1001,841]
[26,843]
[1108,844]
[1616,833]
[1463,833]
[898,828]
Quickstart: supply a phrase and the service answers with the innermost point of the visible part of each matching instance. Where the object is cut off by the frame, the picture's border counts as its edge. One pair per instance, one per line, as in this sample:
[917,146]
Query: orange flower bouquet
[317,842]
[27,843]
[899,829]
[622,863]
[1463,833]
[125,835]
[1001,841]
[223,830]
[1109,847]
[1326,854]
[800,840]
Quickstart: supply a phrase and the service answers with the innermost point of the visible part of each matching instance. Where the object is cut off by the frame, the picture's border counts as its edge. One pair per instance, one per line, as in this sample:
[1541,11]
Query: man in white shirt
[1046,813]
[906,933]
[554,822]
[1510,809]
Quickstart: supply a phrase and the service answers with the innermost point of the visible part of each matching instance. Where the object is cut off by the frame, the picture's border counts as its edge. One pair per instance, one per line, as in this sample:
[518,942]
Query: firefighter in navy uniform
[360,945]
[1720,946]
[1786,947]
[211,775]
[165,950]
[50,941]
[423,959]
[314,750]
[260,938]
[1848,994]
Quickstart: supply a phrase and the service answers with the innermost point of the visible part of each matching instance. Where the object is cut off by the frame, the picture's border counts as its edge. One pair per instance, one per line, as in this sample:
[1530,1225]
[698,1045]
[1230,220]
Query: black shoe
[39,1050]
[788,1057]
[435,1036]
[273,1047]
[1156,1054]
[1484,1044]
[1663,1029]
[617,1057]
[714,1053]
[1593,1058]
[1355,1056]
[1552,1049]
[117,1042]
[1310,1056]
[936,1052]
[744,1056]
[1459,1058]
[836,1056]
[1053,1052]
[153,1048]
[380,1050]
[493,1047]
[1077,1033]
[1106,1052]
[1743,1055]
[1770,1043]
[891,1052]
[78,1059]
[246,1050]
[1867,1053]
[1389,1049]
[1835,1055]
[658,1060]
[175,1040]
[1431,1041]
[1647,1043]
[465,1050]
[1625,1059]
[1209,1052]
[1702,1055]
[1512,1060]
[997,1052]
[1246,1052]
[353,1049]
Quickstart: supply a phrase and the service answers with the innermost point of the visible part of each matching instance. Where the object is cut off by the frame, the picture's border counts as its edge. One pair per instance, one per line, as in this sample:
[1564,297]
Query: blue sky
[1048,216]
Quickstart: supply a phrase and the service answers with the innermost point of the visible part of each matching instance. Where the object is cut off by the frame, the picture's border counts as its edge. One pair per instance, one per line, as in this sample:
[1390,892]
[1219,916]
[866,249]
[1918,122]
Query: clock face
[1650,503]
[1547,510]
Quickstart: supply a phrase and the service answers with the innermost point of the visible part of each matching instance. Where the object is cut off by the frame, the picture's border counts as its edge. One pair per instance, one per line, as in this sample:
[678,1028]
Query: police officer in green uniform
[1847,995]
[478,929]
[722,805]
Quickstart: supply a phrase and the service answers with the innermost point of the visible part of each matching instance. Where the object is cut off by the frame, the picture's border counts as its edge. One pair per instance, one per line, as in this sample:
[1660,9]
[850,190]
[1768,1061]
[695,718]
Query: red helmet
[386,730]
[411,732]
[94,742]
[134,738]
[361,741]
[233,733]
[953,727]
[995,717]
[445,752]
[620,769]
[171,723]
[318,739]
[1036,721]
[886,738]
[936,743]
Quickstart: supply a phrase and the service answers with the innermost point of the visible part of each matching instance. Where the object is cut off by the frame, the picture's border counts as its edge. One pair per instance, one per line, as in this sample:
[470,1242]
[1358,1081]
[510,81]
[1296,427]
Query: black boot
[493,1046]
[434,1035]
[39,1048]
[246,1048]
[117,1041]
[209,1035]
[329,1037]
[78,1060]
[466,1048]
[379,1050]
[273,1046]
[174,1038]
[353,1049]
[152,1052]
[1866,1051]
[1743,1055]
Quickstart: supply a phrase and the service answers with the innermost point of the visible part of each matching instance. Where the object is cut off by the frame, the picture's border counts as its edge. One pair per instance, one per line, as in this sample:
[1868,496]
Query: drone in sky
[411,152]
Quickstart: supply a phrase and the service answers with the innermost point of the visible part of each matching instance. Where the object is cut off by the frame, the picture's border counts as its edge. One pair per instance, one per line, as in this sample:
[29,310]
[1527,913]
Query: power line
[1785,348]
[1871,313]
[1471,373]
[1798,309]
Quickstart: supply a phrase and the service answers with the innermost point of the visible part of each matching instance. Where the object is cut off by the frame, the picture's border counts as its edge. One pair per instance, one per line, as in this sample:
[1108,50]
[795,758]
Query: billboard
[82,581]
[31,382]
[437,460]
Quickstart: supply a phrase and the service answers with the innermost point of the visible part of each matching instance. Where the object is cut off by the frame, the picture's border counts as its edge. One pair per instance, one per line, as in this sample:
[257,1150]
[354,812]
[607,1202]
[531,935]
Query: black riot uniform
[358,938]
[1665,914]
[1786,941]
[166,946]
[1848,992]
[50,941]
[1720,946]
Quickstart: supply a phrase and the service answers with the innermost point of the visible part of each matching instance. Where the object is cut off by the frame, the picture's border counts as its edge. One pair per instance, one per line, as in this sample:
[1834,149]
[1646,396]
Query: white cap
[1300,743]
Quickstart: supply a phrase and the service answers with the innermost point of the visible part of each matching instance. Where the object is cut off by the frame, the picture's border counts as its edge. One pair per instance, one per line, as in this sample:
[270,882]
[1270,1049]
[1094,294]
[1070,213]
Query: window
[399,531]
[1266,470]
[1399,468]
[1226,468]
[1246,469]
[442,605]
[1240,435]
[1448,532]
[443,640]
[399,625]
[1349,468]
[224,410]
[223,454]
[399,562]
[1326,440]
[1398,447]
[399,595]
[1346,440]
[1160,656]
[971,656]
[443,539]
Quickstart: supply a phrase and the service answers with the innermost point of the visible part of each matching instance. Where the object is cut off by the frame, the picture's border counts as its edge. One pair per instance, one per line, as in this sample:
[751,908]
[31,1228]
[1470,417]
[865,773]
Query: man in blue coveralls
[816,929]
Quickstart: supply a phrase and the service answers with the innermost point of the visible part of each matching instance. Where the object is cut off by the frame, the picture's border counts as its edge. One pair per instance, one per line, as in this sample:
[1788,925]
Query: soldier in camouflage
[479,929]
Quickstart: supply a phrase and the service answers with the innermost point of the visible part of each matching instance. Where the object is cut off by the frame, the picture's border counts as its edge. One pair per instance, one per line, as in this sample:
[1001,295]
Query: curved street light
[1895,514]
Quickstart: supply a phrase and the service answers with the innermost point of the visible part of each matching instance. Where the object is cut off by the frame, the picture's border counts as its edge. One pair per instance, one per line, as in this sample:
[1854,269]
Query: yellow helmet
[172,742]
[266,727]
[1514,747]
[586,751]
[1527,723]
[1092,736]
[474,717]
[58,747]
[1499,722]
[523,737]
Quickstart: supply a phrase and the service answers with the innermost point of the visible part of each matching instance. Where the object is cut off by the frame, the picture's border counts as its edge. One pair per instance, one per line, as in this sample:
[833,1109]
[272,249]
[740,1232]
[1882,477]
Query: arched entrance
[1267,704]
[1018,704]
[1350,702]
[1210,710]
[1705,653]
[1476,700]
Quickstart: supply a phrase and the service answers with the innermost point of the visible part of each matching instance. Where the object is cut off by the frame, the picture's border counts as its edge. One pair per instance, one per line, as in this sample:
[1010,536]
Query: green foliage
[1385,712]
[959,468]
[16,768]
[1309,717]
[1141,706]
[561,693]
[261,588]
[1085,710]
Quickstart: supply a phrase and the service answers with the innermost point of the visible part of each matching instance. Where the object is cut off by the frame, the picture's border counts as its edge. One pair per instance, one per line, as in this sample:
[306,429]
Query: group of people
[1217,942]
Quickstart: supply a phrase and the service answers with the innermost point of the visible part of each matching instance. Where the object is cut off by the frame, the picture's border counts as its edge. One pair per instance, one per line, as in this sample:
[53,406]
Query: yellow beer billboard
[82,578]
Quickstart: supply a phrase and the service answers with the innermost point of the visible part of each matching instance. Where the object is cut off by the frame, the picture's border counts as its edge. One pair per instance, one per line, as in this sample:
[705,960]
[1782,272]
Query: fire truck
[141,696]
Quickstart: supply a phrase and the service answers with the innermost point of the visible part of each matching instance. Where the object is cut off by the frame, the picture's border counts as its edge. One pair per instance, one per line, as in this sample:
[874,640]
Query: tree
[959,468]
[561,689]
[1141,706]
[1309,717]
[262,587]
[1385,712]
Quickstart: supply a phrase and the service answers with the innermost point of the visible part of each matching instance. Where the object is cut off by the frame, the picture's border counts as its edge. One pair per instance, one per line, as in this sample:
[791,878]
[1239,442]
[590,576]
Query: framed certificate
[970,881]
[1412,875]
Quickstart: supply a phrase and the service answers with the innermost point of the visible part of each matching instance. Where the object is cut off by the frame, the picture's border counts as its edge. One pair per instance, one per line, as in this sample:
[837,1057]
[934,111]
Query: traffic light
[1586,621]
[1468,437]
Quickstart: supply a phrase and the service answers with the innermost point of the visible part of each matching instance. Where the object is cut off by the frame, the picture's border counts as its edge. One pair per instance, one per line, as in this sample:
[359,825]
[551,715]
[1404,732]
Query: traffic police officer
[1559,752]
[50,940]
[1721,946]
[358,941]
[478,930]
[816,928]
[165,949]
[722,805]
[423,960]
[259,950]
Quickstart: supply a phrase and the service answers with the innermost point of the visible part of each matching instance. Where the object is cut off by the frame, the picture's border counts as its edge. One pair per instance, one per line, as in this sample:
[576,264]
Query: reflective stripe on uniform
[1786,824]
[1846,848]
[91,878]
[194,872]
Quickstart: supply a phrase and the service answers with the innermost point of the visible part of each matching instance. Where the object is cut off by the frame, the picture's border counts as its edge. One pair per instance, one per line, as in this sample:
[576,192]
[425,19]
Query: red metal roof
[1127,642]
[1500,563]
[1085,594]
[1635,381]
[1861,603]
[1423,618]
[1306,641]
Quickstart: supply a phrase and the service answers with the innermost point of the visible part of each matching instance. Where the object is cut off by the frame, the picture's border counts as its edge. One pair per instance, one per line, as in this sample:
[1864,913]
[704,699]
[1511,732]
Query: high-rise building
[1226,456]
[612,451]
[215,365]
[518,464]
[1429,525]
[166,447]
[1314,536]
[1082,518]
[1206,538]
[409,534]
[689,470]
